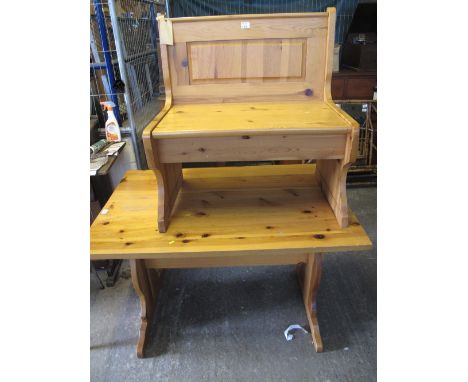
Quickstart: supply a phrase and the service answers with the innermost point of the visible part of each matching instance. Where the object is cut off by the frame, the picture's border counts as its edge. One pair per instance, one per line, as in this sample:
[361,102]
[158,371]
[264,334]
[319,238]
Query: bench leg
[331,174]
[147,283]
[309,277]
[169,178]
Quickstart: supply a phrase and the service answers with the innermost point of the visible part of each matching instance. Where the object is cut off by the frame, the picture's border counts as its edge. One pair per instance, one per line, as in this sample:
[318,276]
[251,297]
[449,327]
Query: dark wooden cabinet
[348,84]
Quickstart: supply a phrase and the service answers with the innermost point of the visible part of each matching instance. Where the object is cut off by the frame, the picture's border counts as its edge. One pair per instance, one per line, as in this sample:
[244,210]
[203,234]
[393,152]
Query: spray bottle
[112,126]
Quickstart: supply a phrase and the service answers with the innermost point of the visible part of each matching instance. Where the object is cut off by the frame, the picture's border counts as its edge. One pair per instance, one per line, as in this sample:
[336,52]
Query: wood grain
[252,148]
[227,260]
[212,29]
[330,47]
[242,60]
[235,216]
[263,210]
[169,175]
[256,93]
[252,118]
[147,284]
[332,178]
[309,278]
[279,57]
[249,16]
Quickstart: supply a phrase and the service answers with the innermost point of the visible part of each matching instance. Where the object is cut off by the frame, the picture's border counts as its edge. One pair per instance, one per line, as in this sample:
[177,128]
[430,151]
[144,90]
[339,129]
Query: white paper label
[287,333]
[245,24]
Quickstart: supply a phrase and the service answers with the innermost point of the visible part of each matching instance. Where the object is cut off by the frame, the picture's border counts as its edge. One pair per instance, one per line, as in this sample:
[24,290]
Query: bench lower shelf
[329,175]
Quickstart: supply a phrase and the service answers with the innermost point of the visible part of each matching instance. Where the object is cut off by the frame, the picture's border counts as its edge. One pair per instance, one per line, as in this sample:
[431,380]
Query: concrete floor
[226,324]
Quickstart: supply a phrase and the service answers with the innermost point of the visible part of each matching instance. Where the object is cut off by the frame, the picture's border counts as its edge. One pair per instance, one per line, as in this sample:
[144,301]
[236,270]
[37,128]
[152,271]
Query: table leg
[309,277]
[147,283]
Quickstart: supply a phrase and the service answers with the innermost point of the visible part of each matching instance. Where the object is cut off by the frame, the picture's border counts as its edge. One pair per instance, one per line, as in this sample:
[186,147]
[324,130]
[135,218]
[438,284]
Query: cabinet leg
[309,277]
[147,284]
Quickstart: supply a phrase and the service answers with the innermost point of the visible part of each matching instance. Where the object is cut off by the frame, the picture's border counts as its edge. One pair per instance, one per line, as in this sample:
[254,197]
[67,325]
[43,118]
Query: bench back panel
[248,57]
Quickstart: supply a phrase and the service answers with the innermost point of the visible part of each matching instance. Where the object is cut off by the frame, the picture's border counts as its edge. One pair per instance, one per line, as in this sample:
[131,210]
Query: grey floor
[226,324]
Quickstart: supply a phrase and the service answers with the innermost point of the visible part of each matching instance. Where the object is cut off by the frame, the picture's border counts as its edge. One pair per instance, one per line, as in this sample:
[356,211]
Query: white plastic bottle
[112,126]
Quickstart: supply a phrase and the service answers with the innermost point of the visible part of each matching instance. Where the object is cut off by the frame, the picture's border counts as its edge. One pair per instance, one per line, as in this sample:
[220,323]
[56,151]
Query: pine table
[224,216]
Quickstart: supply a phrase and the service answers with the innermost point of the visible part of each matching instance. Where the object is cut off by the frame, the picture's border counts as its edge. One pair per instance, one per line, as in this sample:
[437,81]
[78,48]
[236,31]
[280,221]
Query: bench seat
[251,118]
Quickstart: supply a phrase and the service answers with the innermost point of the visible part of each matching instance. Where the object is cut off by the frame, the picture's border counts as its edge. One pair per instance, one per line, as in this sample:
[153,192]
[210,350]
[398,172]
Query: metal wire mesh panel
[139,42]
[344,9]
[104,70]
[125,65]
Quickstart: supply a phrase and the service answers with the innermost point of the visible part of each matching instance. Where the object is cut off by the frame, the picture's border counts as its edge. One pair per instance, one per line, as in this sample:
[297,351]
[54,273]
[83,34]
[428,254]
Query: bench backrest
[239,58]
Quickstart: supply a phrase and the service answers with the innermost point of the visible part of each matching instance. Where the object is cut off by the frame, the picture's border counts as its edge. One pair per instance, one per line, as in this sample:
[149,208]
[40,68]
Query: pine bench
[249,88]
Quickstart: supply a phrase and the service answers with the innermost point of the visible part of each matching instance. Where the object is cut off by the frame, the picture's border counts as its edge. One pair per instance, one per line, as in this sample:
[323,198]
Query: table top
[250,118]
[251,209]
